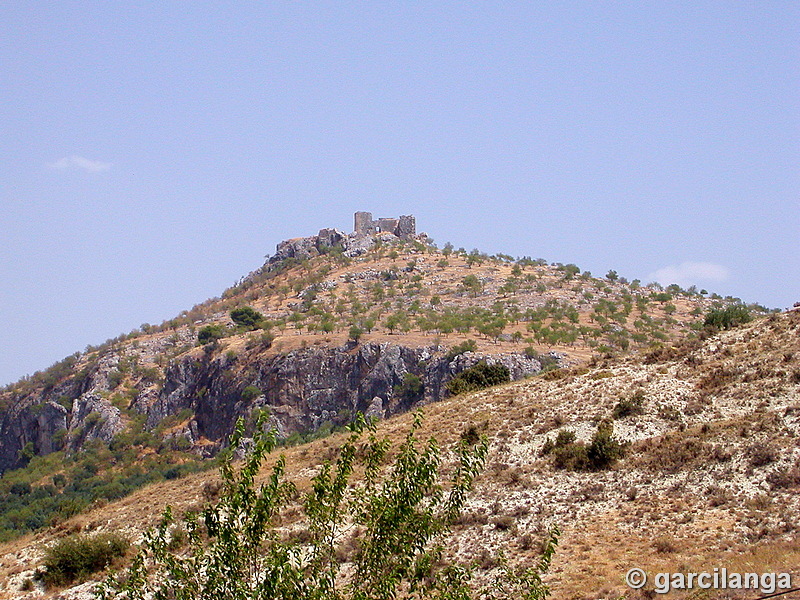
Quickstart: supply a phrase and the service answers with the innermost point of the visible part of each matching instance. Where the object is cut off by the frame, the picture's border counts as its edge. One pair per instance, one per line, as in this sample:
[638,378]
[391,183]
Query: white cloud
[690,273]
[70,163]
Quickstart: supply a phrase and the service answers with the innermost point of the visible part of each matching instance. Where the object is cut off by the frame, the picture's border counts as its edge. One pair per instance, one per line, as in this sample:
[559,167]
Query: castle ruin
[405,227]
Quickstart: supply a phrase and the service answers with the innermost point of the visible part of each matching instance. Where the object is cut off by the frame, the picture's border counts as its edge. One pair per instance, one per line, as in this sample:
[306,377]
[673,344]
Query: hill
[708,478]
[331,325]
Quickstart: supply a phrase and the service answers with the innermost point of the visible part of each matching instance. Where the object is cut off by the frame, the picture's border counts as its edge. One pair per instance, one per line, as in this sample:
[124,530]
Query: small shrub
[526,541]
[247,317]
[92,419]
[78,556]
[564,438]
[411,389]
[211,333]
[572,457]
[250,393]
[115,377]
[762,455]
[728,317]
[664,545]
[604,450]
[468,346]
[629,406]
[601,453]
[503,522]
[470,435]
[482,375]
[785,478]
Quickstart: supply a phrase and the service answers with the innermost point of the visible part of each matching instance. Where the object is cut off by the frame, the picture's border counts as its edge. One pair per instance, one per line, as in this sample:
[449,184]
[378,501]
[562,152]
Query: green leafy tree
[411,389]
[480,376]
[355,333]
[474,258]
[211,333]
[400,516]
[472,285]
[397,320]
[728,317]
[247,317]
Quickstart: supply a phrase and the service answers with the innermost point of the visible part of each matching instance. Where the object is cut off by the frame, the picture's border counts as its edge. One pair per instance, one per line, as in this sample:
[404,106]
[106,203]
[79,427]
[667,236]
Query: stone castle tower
[404,227]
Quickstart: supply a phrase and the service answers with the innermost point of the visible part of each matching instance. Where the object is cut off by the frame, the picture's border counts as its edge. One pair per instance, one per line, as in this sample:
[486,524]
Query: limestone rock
[375,408]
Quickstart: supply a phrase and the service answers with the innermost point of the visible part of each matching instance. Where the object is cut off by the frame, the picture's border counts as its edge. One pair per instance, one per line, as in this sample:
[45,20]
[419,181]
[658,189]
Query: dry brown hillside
[709,477]
[375,323]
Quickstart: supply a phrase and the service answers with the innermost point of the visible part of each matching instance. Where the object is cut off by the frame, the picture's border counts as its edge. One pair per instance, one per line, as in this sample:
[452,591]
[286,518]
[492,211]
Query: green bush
[604,450]
[411,389]
[629,406]
[729,317]
[601,453]
[247,317]
[564,438]
[211,333]
[374,540]
[468,346]
[250,393]
[571,457]
[480,376]
[78,556]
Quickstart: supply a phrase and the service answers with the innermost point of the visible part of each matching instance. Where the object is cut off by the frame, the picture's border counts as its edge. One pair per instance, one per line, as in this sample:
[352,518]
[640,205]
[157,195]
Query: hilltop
[374,321]
[348,291]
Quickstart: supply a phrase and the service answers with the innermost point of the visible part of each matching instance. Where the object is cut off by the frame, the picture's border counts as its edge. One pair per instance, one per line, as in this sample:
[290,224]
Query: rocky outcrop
[302,390]
[351,244]
[92,417]
[306,388]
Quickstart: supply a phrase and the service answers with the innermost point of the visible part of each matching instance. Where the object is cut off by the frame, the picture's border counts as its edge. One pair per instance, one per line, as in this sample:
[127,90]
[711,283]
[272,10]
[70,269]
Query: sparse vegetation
[423,298]
[629,406]
[480,376]
[78,556]
[247,318]
[728,317]
[399,518]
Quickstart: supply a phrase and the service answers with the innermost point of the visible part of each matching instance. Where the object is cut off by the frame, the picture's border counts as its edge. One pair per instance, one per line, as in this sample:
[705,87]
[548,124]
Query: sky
[155,152]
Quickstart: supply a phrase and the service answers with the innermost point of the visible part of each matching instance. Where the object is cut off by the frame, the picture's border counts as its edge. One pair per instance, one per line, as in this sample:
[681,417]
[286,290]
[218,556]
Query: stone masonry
[404,227]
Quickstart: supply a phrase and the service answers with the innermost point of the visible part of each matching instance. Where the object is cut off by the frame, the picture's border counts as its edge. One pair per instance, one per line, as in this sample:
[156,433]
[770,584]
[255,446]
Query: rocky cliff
[303,390]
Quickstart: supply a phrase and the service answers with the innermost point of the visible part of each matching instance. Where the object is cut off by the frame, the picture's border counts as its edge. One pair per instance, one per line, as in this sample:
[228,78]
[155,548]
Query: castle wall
[364,225]
[386,225]
[404,227]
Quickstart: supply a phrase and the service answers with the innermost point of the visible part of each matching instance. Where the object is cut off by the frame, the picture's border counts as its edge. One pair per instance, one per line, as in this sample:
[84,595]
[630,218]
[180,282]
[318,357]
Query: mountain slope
[376,324]
[710,475]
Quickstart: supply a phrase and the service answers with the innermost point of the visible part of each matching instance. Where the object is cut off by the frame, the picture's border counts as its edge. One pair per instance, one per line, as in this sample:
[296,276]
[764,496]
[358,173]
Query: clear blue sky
[154,152]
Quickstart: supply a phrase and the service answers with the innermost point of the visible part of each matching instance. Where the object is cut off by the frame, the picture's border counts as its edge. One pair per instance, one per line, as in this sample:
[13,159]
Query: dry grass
[713,485]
